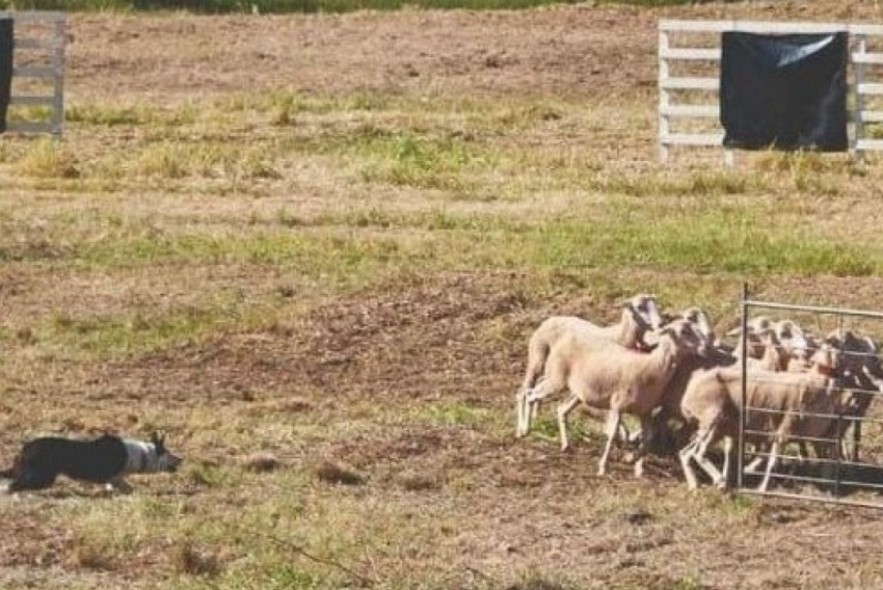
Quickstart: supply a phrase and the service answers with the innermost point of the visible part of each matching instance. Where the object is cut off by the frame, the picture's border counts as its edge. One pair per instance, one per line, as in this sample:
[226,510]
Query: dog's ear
[158,441]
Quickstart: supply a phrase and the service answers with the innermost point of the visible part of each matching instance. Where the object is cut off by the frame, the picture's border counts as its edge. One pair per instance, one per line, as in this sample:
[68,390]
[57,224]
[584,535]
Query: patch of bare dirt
[428,341]
[553,50]
[575,50]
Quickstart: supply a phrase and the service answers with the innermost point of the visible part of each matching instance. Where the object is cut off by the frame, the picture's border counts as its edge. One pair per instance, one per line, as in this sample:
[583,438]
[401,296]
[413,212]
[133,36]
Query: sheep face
[755,324]
[702,323]
[684,335]
[859,353]
[645,311]
[792,338]
[826,360]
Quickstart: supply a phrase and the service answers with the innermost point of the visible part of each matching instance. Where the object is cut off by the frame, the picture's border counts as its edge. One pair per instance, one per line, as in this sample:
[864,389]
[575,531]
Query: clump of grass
[289,576]
[262,462]
[124,335]
[31,114]
[48,159]
[100,543]
[419,482]
[171,160]
[546,428]
[196,561]
[204,474]
[700,183]
[165,160]
[93,554]
[407,159]
[338,473]
[106,116]
[537,581]
[457,413]
[255,166]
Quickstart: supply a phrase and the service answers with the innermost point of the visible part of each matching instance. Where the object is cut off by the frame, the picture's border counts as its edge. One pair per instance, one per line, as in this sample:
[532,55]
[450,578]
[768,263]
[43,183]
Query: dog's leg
[32,480]
[121,485]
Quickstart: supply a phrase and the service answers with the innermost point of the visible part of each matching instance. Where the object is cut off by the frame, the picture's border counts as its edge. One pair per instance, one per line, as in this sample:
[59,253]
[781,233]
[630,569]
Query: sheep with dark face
[862,376]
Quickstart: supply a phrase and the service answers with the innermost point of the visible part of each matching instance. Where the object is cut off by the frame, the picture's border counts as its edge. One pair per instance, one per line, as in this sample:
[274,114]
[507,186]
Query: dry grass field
[311,249]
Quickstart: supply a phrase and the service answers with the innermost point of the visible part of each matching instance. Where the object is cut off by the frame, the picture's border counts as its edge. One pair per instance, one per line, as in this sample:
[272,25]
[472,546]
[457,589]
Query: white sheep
[794,341]
[709,356]
[693,366]
[639,315]
[605,375]
[787,406]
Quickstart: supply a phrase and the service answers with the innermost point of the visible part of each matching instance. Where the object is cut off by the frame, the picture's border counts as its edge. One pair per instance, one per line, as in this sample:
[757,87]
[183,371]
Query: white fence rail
[861,59]
[40,35]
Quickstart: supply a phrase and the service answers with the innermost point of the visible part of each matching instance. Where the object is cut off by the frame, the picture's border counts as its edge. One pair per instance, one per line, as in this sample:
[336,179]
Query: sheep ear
[735,331]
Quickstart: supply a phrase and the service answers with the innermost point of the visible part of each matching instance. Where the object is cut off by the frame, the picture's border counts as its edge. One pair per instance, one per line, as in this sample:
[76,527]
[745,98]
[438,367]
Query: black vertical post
[740,463]
[837,473]
[6,48]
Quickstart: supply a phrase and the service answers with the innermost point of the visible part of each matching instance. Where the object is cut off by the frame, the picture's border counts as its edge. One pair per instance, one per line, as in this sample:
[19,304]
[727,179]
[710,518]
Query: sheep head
[684,335]
[644,309]
[792,337]
[702,323]
[826,360]
[755,324]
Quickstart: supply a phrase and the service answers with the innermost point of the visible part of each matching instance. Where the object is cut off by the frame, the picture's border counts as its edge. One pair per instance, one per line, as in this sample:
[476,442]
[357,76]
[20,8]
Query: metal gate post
[740,464]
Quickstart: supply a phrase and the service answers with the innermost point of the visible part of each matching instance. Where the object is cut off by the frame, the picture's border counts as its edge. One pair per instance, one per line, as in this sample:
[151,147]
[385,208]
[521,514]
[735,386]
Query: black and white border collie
[107,459]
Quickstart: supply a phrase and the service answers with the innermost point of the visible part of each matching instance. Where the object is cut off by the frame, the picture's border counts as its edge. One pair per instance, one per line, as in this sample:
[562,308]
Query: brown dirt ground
[453,337]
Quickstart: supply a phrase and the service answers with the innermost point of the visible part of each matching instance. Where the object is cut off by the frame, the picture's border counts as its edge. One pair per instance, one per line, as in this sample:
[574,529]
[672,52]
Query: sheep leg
[802,451]
[701,449]
[525,409]
[754,465]
[564,409]
[531,410]
[520,401]
[729,448]
[646,440]
[760,447]
[684,455]
[774,453]
[613,420]
[533,398]
[856,439]
[537,353]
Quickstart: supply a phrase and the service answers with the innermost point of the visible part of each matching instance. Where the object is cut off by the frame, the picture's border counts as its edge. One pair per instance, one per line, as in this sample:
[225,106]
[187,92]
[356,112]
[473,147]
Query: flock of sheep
[685,386]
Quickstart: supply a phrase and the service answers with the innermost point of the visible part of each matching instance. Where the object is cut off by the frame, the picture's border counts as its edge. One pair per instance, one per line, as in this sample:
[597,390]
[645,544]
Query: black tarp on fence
[784,91]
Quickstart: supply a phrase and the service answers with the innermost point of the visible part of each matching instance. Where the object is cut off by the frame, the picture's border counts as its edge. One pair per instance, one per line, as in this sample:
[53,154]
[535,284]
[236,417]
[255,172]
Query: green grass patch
[141,331]
[48,159]
[408,159]
[372,241]
[110,116]
[457,413]
[725,241]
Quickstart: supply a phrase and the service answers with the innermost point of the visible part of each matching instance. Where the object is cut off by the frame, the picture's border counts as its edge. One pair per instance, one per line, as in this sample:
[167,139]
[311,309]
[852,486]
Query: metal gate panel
[854,474]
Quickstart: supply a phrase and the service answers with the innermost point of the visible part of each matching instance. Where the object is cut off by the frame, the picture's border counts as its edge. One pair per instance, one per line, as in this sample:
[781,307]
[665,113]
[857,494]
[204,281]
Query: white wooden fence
[39,47]
[670,110]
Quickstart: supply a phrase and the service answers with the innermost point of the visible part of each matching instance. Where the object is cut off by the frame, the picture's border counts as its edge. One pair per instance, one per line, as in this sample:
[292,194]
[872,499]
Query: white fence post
[51,68]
